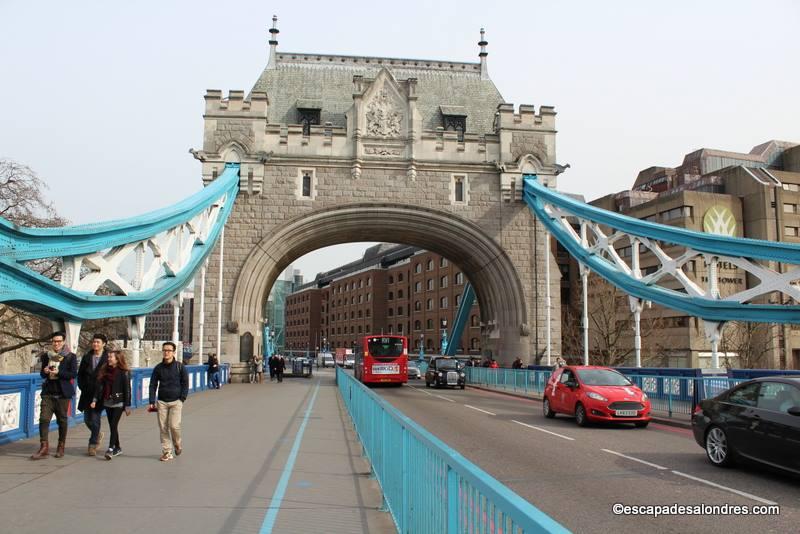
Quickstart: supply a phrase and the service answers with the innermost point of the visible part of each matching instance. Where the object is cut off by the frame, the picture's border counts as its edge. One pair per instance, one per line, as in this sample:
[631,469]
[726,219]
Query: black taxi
[445,371]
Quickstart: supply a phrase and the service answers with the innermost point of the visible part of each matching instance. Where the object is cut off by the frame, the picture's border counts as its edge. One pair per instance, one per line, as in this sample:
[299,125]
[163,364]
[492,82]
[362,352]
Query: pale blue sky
[103,99]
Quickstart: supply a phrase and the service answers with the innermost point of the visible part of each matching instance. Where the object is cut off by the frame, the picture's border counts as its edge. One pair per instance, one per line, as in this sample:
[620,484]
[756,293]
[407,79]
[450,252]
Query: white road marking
[478,409]
[543,430]
[422,391]
[445,398]
[634,459]
[725,488]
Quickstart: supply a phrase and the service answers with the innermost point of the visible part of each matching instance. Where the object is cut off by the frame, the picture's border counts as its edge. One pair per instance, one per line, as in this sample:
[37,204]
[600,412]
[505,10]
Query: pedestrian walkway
[240,446]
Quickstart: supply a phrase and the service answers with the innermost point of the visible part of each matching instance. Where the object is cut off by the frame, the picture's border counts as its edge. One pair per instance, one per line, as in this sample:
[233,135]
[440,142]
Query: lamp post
[444,336]
[422,347]
[267,340]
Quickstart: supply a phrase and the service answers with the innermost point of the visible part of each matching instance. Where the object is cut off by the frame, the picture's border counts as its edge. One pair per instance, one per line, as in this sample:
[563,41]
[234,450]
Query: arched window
[399,277]
[417,287]
[390,312]
[474,321]
[359,314]
[443,262]
[391,279]
[417,267]
[443,302]
[429,324]
[399,293]
[474,344]
[430,265]
[429,304]
[417,306]
[443,282]
[459,278]
[458,299]
[430,284]
[391,295]
[399,328]
[390,329]
[417,325]
[399,310]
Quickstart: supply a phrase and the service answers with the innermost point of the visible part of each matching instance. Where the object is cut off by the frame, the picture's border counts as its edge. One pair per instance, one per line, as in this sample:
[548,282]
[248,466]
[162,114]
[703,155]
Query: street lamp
[421,347]
[267,349]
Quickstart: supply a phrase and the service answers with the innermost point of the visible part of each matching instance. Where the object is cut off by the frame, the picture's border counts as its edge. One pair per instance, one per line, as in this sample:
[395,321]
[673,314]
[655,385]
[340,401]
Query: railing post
[452,501]
[405,512]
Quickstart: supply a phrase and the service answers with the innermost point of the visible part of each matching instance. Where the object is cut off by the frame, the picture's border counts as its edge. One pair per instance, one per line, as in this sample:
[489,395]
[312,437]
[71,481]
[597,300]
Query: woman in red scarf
[113,392]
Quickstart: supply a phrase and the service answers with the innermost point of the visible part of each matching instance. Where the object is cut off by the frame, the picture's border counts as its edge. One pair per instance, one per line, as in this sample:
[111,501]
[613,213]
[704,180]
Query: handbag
[115,397]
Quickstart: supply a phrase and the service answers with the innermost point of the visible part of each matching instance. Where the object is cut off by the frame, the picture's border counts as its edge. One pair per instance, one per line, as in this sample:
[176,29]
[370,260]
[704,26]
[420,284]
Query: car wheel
[580,415]
[641,424]
[548,412]
[718,448]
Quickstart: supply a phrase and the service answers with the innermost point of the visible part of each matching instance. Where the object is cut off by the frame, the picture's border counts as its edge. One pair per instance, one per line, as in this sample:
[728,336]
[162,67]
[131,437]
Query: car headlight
[596,396]
[440,373]
[644,396]
[462,375]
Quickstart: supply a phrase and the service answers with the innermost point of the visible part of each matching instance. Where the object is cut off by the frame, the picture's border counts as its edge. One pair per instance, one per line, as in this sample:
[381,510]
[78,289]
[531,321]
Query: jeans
[214,379]
[50,406]
[92,418]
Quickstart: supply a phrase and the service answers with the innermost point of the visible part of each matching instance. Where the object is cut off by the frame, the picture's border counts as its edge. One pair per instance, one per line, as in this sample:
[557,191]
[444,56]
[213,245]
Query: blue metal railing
[428,486]
[669,395]
[20,399]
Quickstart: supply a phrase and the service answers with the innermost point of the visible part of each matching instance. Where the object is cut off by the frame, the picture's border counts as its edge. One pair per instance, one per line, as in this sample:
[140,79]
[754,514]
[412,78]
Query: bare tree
[611,328]
[22,202]
[752,342]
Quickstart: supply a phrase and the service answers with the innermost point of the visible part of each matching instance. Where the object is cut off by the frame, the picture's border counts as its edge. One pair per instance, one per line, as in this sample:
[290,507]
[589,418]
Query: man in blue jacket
[59,369]
[172,382]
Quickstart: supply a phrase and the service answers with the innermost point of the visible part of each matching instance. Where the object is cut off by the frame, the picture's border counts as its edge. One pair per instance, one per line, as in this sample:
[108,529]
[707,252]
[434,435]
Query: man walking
[87,381]
[172,382]
[59,368]
[280,365]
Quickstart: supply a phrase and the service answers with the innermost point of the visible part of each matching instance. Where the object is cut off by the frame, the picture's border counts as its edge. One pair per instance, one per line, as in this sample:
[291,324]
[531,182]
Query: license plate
[385,369]
[625,413]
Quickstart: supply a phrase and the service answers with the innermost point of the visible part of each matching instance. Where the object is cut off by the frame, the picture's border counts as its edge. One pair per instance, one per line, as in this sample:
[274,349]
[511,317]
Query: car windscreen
[602,377]
[413,364]
[448,364]
[385,348]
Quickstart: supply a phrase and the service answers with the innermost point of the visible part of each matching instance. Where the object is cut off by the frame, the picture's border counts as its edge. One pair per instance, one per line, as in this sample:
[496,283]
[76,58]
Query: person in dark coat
[280,366]
[171,381]
[271,364]
[113,392]
[213,371]
[90,364]
[59,369]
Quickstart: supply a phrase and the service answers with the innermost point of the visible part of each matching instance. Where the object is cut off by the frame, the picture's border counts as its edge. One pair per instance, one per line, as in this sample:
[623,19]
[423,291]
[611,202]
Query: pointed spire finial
[273,43]
[484,67]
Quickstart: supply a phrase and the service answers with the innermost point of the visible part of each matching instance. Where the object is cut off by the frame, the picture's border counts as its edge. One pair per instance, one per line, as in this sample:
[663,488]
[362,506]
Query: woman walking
[113,392]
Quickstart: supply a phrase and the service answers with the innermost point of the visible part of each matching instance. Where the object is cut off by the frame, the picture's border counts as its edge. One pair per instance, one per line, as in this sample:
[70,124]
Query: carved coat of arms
[383,120]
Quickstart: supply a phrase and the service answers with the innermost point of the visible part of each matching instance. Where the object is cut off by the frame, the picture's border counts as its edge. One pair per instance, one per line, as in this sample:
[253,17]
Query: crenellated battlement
[236,103]
[526,118]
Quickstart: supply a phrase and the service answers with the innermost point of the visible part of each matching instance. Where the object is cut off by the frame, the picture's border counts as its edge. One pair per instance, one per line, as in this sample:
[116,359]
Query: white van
[326,359]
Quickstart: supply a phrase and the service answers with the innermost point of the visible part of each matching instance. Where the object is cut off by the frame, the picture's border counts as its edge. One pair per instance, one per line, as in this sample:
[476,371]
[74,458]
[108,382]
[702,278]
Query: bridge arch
[497,284]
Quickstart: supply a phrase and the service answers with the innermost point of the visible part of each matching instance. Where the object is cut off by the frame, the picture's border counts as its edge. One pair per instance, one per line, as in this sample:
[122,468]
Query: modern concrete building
[754,195]
[392,289]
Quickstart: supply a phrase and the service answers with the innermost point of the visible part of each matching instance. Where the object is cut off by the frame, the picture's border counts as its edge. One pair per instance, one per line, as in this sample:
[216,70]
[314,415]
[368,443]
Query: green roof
[328,80]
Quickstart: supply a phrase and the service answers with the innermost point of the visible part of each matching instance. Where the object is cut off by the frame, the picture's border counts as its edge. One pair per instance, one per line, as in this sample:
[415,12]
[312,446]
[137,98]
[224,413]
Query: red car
[596,394]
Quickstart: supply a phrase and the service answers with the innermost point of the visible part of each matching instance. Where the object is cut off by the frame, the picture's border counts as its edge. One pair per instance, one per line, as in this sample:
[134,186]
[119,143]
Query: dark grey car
[758,420]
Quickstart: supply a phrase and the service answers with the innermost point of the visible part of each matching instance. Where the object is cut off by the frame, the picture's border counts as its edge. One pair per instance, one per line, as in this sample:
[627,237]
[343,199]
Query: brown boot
[44,451]
[60,450]
[92,451]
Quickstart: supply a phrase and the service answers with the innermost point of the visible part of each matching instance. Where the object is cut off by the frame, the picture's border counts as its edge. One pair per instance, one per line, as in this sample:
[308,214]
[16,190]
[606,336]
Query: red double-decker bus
[382,359]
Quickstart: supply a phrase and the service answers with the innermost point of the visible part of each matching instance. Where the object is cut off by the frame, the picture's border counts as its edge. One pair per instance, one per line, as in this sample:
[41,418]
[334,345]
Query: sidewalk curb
[656,419]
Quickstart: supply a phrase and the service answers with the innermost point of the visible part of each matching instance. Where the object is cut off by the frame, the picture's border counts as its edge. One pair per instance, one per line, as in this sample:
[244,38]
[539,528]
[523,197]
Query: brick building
[393,289]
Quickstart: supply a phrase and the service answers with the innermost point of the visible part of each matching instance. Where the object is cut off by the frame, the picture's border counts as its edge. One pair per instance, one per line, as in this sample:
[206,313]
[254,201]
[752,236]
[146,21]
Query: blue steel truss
[592,243]
[462,315]
[165,248]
